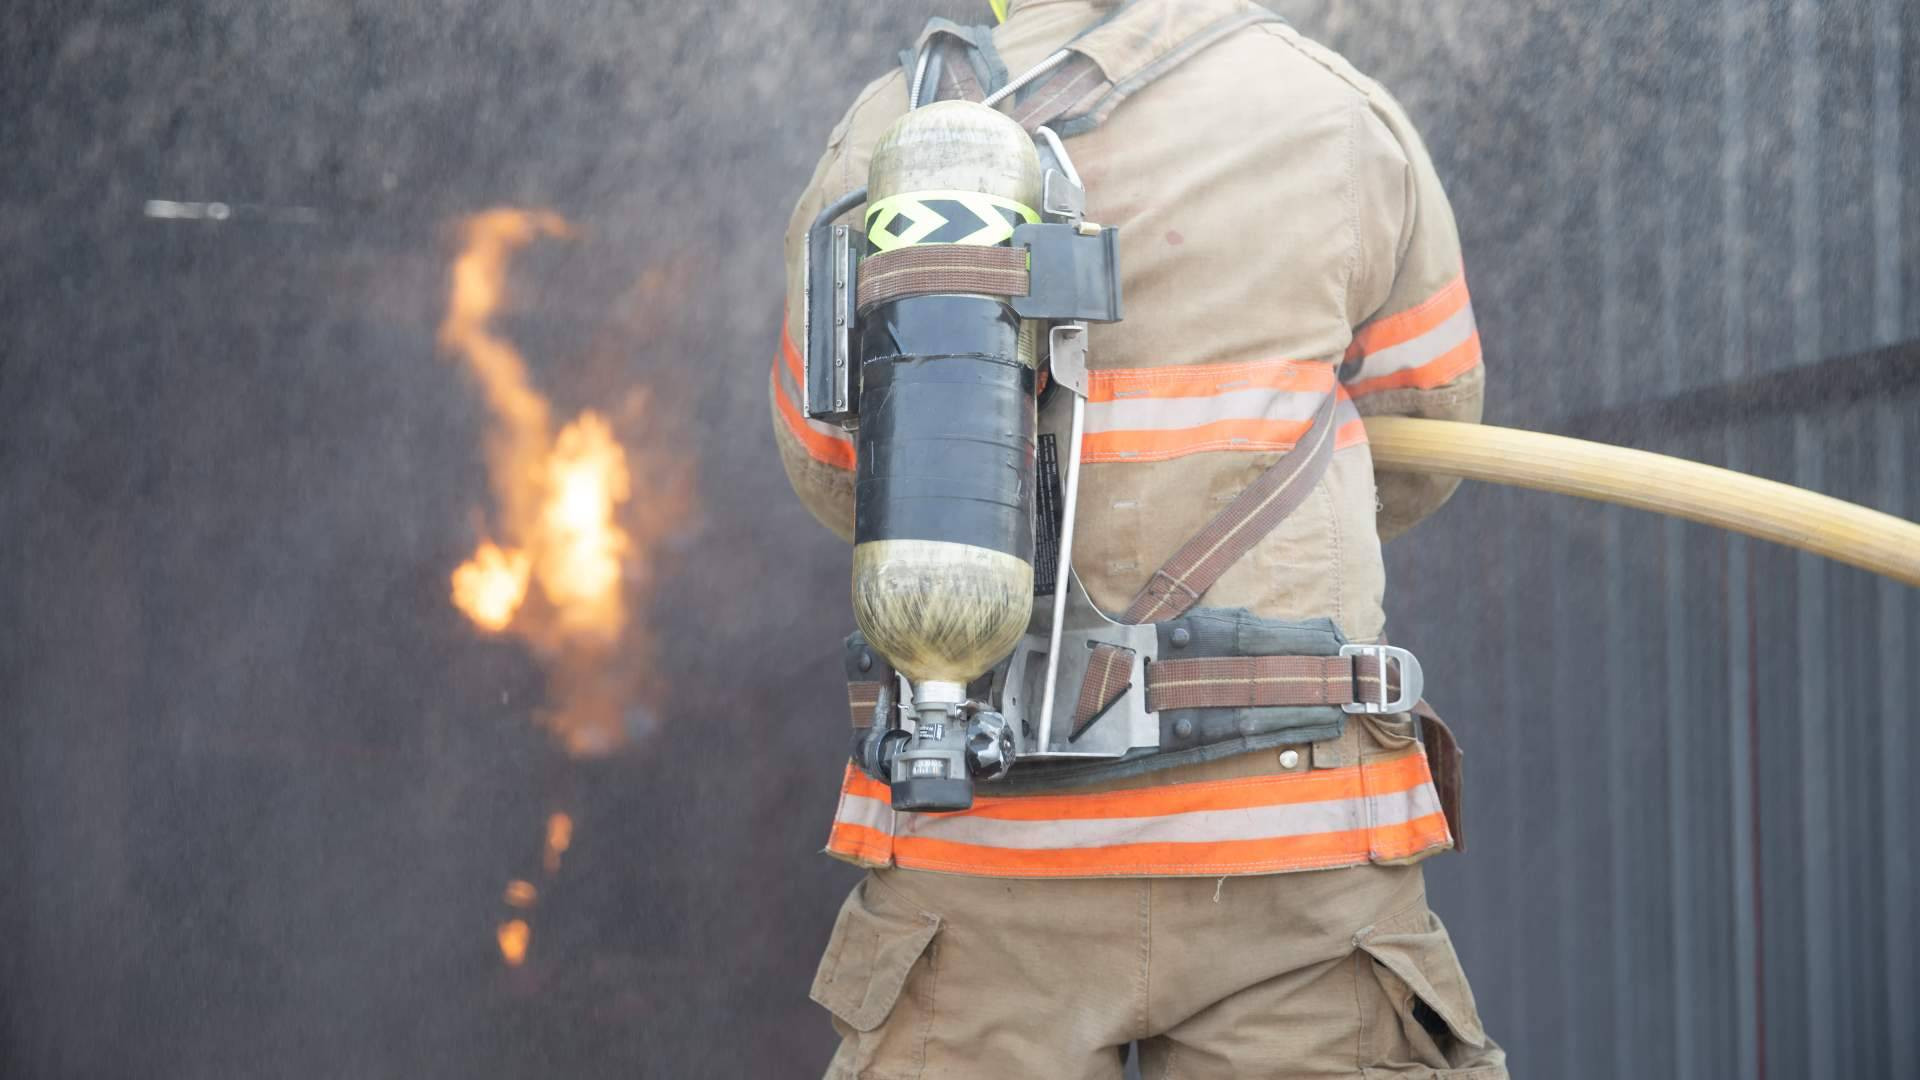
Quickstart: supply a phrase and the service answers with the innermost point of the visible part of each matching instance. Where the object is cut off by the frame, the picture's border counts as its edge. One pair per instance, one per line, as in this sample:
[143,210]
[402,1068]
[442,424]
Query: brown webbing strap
[861,698]
[957,79]
[1076,81]
[941,268]
[1190,32]
[1079,95]
[1239,682]
[1105,682]
[1233,532]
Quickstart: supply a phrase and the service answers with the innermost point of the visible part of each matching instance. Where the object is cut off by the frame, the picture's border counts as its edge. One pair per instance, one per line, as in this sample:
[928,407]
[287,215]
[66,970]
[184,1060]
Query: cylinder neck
[936,694]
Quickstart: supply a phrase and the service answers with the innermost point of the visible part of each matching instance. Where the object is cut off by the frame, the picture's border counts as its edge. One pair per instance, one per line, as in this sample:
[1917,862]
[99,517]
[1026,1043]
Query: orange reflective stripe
[1351,433]
[1251,435]
[1205,826]
[824,443]
[1159,413]
[1400,328]
[1208,380]
[1421,348]
[1439,371]
[1279,854]
[828,449]
[1101,446]
[861,844]
[859,783]
[1351,430]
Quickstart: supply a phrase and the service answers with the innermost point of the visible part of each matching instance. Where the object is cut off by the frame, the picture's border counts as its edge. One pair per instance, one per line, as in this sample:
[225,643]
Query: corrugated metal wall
[1693,228]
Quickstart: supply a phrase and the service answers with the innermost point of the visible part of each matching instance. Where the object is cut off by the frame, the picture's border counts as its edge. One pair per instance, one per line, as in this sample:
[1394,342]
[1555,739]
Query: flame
[580,545]
[559,838]
[521,894]
[561,567]
[514,936]
[490,586]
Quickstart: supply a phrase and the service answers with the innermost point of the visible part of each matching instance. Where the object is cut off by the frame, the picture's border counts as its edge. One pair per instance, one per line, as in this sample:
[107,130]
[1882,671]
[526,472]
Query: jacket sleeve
[1415,349]
[819,457]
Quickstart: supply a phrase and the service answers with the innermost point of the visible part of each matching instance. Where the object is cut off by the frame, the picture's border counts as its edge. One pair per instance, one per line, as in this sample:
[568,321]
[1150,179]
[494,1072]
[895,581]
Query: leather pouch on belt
[1447,764]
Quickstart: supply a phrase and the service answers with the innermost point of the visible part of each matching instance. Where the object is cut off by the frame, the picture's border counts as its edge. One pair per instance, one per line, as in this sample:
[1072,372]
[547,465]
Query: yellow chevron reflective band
[943,217]
[999,9]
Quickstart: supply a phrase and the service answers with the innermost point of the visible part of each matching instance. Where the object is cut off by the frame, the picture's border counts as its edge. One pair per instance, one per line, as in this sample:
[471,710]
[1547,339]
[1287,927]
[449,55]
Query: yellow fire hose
[1730,500]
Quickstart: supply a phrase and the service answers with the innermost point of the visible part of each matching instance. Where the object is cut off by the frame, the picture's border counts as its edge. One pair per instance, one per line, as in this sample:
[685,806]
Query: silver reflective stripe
[1197,826]
[1422,350]
[1171,414]
[860,810]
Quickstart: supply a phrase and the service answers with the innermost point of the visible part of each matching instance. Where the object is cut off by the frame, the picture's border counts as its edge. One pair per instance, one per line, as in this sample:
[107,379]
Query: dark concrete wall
[1691,228]
[264,786]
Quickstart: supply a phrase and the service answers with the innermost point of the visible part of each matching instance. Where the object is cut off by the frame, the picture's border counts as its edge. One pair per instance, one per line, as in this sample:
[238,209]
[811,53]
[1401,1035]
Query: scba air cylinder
[943,533]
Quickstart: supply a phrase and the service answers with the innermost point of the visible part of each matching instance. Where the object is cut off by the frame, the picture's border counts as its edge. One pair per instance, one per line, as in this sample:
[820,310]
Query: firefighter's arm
[818,456]
[1415,350]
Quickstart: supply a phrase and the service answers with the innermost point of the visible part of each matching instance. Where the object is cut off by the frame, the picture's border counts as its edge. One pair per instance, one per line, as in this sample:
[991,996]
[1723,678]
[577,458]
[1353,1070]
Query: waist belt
[1279,681]
[1208,684]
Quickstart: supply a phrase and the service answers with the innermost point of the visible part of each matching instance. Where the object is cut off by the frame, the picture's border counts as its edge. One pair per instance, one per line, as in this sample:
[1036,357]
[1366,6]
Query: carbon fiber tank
[942,563]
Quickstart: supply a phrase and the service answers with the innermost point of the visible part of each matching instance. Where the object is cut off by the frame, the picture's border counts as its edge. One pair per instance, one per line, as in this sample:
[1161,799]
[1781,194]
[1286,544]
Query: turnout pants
[1329,973]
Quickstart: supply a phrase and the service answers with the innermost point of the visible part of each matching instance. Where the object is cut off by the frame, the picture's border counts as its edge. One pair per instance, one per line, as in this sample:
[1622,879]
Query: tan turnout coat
[1283,236]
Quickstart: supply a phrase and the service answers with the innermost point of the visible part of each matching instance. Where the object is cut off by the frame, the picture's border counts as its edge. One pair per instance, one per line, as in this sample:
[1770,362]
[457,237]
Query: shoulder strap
[969,66]
[1110,61]
[1142,41]
[1233,532]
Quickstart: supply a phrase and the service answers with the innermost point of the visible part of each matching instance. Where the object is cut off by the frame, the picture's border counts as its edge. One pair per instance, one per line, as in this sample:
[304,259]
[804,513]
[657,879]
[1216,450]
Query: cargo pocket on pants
[1421,1022]
[877,979]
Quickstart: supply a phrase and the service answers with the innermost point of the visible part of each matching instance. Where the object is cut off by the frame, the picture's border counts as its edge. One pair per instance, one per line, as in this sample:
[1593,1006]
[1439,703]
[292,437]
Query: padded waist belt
[1248,681]
[1225,682]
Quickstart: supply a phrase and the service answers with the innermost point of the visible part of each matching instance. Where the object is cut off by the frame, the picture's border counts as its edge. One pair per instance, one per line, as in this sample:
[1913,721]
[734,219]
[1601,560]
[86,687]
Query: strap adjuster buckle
[1412,682]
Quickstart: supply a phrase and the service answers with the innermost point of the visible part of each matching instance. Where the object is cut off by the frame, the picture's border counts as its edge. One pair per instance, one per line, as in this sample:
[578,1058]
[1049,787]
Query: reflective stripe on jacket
[1283,237]
[1379,807]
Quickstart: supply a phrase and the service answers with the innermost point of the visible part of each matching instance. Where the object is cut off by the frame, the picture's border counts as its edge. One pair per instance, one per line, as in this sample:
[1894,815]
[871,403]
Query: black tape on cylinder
[946,426]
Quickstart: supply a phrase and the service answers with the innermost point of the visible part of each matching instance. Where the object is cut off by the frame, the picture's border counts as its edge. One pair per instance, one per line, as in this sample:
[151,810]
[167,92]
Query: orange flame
[490,586]
[580,548]
[559,500]
[559,839]
[514,936]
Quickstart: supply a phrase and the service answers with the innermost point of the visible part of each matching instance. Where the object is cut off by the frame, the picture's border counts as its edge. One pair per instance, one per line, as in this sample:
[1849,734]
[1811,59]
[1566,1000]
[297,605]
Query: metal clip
[1061,198]
[1067,349]
[1412,682]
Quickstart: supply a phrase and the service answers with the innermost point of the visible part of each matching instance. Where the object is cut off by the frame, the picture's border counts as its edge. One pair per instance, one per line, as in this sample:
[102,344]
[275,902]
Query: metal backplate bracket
[1125,726]
[1073,272]
[832,378]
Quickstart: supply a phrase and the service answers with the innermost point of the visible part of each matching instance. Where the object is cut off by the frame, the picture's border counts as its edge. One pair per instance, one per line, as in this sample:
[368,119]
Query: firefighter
[1253,904]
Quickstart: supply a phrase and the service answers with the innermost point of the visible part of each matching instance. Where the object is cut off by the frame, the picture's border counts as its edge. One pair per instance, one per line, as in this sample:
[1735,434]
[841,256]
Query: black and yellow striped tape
[943,217]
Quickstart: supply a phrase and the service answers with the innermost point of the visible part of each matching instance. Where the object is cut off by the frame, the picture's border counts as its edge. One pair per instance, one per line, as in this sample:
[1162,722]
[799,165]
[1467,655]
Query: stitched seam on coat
[1339,556]
[838,137]
[1353,204]
[1146,956]
[932,957]
[1360,1012]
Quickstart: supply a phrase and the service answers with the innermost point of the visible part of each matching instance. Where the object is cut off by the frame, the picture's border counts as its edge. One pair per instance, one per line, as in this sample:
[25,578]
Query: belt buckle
[1412,682]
